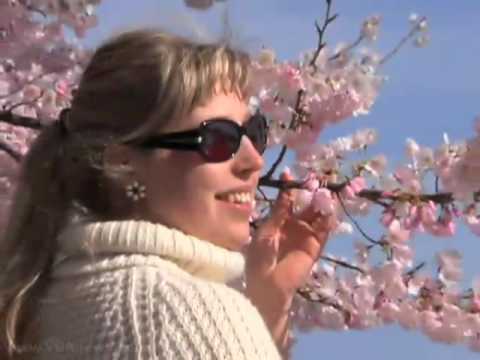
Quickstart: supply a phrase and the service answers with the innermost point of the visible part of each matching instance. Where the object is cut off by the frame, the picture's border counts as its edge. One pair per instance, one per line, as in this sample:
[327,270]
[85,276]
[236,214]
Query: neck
[196,256]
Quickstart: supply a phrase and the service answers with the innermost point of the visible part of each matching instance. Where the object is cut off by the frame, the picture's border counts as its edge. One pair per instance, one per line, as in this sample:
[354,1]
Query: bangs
[216,70]
[200,72]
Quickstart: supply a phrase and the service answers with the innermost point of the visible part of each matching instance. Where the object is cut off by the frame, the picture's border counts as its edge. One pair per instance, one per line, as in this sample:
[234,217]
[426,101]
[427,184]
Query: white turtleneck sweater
[147,292]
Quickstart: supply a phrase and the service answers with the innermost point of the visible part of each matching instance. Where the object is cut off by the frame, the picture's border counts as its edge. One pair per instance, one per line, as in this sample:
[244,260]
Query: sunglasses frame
[192,140]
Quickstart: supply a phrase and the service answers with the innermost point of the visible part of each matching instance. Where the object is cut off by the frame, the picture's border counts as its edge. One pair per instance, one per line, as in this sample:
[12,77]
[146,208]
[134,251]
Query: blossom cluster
[340,86]
[355,294]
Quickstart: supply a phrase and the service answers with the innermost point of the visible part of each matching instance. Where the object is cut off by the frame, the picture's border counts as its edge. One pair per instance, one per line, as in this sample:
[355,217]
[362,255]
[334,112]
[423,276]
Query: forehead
[225,105]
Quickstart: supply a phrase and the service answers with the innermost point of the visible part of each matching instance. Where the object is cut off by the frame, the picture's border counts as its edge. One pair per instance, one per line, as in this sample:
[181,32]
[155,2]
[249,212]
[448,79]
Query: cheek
[183,182]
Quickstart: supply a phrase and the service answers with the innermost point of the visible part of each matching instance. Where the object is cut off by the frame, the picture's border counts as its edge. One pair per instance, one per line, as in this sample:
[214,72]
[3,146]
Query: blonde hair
[135,83]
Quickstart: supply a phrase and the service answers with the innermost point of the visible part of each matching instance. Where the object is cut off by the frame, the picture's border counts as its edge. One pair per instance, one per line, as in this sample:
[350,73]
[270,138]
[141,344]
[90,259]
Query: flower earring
[135,191]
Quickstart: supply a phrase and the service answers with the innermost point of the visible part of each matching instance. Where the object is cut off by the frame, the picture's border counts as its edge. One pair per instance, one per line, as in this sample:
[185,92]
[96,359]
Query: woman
[133,210]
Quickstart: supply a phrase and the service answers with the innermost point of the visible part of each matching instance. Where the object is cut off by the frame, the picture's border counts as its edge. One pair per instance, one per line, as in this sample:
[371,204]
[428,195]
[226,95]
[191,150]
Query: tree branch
[281,184]
[14,154]
[441,198]
[19,120]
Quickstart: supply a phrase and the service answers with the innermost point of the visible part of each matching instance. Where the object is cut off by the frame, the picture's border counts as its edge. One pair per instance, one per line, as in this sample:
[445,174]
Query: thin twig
[275,165]
[357,225]
[22,86]
[265,197]
[24,103]
[32,8]
[347,48]
[310,295]
[321,33]
[402,42]
[416,269]
[342,263]
[297,112]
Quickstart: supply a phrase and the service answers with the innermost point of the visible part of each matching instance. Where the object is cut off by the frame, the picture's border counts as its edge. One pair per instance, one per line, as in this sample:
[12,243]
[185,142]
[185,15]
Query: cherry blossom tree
[433,192]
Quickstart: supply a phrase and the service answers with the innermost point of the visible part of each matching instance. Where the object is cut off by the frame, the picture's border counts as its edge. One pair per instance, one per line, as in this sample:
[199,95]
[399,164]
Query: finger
[324,223]
[262,256]
[296,264]
[280,211]
[283,205]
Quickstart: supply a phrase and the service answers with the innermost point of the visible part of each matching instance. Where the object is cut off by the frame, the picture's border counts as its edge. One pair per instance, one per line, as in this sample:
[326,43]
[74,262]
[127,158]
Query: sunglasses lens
[257,132]
[221,140]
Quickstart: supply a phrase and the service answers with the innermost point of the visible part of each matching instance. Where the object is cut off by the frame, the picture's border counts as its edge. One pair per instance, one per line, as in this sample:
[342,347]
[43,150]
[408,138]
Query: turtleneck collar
[198,257]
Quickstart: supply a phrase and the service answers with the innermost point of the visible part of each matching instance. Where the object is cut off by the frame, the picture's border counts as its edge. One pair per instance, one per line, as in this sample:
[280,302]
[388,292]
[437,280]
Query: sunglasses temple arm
[185,140]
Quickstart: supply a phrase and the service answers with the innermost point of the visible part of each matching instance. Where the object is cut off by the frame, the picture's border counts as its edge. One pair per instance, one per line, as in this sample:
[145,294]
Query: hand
[282,253]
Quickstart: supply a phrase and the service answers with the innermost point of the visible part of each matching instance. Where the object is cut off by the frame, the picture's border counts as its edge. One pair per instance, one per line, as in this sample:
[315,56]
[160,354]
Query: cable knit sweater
[147,292]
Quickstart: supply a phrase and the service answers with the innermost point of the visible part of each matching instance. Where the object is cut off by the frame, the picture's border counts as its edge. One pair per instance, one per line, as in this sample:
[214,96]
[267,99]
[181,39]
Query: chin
[238,243]
[233,238]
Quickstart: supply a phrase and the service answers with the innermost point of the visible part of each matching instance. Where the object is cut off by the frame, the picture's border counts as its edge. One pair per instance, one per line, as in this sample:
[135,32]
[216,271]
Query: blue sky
[430,91]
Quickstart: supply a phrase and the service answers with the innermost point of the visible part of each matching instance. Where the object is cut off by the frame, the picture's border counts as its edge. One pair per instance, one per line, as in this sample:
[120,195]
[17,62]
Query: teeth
[240,197]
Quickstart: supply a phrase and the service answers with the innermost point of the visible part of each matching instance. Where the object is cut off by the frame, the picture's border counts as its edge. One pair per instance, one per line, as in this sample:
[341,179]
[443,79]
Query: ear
[119,159]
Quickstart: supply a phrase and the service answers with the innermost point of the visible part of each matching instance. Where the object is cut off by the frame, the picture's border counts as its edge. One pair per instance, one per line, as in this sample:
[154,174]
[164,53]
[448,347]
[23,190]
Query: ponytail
[27,247]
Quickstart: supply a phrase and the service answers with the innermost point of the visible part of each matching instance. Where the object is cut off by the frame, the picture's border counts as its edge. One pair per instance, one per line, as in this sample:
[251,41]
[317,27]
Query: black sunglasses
[216,139]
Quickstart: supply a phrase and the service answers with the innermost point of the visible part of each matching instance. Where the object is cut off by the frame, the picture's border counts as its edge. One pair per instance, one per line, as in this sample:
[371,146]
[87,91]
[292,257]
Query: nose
[247,160]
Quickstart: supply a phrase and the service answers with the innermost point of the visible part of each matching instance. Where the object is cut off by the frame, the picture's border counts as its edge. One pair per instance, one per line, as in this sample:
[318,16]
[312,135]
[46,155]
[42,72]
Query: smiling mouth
[241,197]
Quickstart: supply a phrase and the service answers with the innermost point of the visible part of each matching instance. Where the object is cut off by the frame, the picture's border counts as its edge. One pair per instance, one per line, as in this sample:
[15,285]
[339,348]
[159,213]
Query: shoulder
[155,277]
[150,303]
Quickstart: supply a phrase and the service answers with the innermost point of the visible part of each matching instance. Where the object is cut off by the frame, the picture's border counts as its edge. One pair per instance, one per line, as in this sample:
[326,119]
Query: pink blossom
[377,165]
[403,254]
[387,217]
[396,233]
[428,213]
[413,220]
[354,186]
[442,228]
[330,318]
[323,202]
[302,200]
[408,316]
[312,184]
[408,178]
[389,311]
[473,224]
[449,262]
[395,288]
[430,323]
